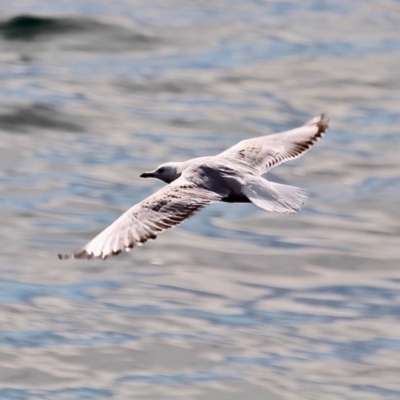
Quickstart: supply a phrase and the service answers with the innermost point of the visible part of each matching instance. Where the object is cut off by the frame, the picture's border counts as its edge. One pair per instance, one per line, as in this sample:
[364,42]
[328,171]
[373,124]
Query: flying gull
[233,176]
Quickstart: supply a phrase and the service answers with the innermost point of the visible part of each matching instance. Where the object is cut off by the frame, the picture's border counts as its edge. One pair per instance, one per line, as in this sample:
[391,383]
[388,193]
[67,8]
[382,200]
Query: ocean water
[237,302]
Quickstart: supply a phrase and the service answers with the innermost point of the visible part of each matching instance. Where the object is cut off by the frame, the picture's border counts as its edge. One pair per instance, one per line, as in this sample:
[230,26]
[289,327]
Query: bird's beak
[148,175]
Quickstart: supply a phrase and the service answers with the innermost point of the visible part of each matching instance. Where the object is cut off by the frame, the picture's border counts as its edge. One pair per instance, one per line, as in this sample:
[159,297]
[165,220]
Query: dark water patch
[205,226]
[364,301]
[352,351]
[226,56]
[316,302]
[286,318]
[267,360]
[237,319]
[175,379]
[378,187]
[21,339]
[373,116]
[230,54]
[383,393]
[248,317]
[29,27]
[357,350]
[12,291]
[363,294]
[33,92]
[14,394]
[82,393]
[177,86]
[40,116]
[93,35]
[199,293]
[196,336]
[273,292]
[360,292]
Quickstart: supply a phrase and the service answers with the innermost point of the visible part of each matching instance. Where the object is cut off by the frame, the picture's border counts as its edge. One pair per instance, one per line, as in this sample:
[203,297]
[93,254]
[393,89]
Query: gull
[233,176]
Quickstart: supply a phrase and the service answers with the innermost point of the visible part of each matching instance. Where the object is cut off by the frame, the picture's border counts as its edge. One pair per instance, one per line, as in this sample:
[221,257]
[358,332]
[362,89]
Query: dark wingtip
[63,256]
[81,254]
[322,122]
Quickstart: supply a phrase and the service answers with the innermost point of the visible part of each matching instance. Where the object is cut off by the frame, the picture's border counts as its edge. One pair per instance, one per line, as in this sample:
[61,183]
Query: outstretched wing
[164,209]
[266,152]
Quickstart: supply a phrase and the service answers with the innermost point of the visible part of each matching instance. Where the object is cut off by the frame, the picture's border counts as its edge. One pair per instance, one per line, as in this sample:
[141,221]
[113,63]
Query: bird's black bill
[147,175]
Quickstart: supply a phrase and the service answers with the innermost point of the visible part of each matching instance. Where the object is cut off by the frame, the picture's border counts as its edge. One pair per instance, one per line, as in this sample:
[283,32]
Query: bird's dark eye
[161,170]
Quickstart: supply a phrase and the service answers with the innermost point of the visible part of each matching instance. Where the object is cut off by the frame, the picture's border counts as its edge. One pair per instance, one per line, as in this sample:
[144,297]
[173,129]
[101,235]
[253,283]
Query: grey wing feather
[264,153]
[164,209]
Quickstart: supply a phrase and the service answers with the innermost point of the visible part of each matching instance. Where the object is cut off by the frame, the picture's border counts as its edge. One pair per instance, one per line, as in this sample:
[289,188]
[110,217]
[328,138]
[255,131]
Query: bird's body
[233,176]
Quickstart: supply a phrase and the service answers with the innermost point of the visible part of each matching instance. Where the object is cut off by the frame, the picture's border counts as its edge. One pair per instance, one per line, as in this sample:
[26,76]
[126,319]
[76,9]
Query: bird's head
[167,172]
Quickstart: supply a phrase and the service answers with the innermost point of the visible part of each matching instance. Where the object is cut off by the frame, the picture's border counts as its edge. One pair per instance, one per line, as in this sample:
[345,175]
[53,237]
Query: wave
[93,34]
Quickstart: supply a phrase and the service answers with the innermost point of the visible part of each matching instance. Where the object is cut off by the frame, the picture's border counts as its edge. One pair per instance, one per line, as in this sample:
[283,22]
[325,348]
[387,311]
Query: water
[236,303]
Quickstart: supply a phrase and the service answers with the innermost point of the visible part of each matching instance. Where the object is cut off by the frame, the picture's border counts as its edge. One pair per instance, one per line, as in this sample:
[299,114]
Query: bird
[233,176]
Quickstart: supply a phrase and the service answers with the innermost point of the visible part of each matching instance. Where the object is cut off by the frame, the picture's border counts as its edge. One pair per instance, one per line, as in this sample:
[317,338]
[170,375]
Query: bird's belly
[235,198]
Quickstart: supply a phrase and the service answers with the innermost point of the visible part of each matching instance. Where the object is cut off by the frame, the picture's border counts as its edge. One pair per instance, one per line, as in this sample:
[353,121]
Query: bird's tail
[272,196]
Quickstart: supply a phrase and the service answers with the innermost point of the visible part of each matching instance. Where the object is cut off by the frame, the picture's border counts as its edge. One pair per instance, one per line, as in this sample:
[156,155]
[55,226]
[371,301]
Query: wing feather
[164,209]
[264,153]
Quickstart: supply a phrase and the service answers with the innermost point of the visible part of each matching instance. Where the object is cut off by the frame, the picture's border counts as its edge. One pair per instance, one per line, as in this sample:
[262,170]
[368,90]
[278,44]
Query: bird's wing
[266,152]
[162,210]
